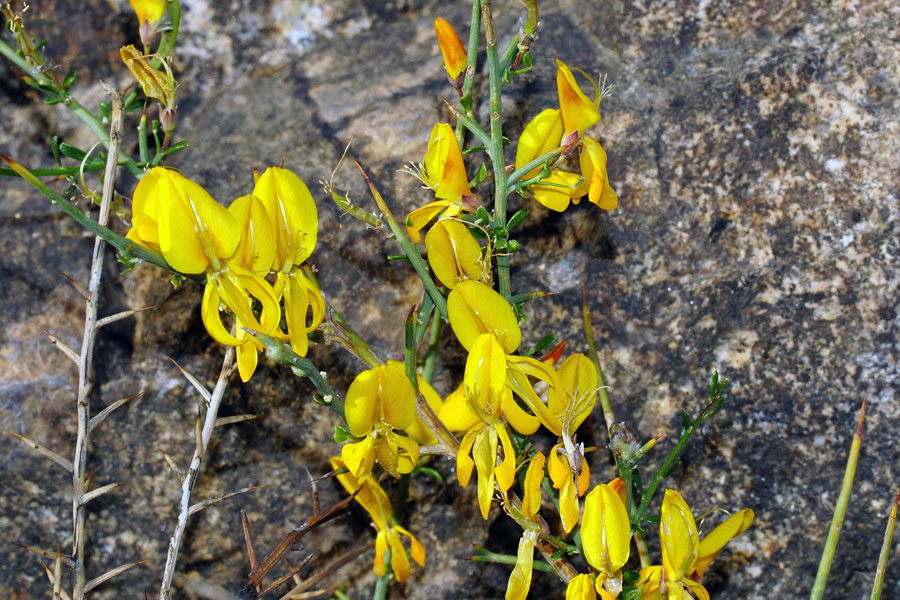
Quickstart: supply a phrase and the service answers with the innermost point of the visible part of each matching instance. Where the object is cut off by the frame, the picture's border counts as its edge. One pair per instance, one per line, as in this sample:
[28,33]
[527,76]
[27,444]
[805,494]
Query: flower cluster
[273,229]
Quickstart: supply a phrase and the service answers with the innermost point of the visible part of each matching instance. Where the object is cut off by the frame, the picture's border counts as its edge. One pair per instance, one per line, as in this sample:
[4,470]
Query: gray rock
[754,150]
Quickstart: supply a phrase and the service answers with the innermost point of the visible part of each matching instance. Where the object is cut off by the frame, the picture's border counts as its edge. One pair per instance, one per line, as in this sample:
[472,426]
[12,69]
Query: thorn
[235,419]
[66,559]
[78,287]
[45,452]
[173,466]
[315,491]
[194,382]
[99,492]
[197,507]
[120,315]
[110,574]
[63,347]
[248,541]
[100,416]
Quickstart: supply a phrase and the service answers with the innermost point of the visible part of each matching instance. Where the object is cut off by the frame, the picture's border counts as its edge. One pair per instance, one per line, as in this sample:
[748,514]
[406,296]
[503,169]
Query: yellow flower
[443,171]
[379,401]
[375,501]
[149,11]
[455,255]
[543,134]
[578,113]
[581,588]
[680,550]
[418,430]
[596,181]
[292,212]
[451,48]
[572,483]
[606,538]
[195,234]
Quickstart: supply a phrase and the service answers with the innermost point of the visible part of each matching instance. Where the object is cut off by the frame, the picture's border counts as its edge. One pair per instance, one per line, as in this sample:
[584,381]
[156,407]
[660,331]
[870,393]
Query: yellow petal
[697,589]
[531,500]
[455,412]
[475,309]
[520,579]
[557,469]
[542,134]
[605,530]
[409,455]
[568,504]
[596,179]
[398,398]
[399,560]
[519,369]
[484,452]
[584,478]
[464,462]
[148,10]
[256,251]
[443,164]
[417,550]
[581,588]
[453,253]
[292,210]
[678,536]
[578,376]
[506,470]
[451,48]
[259,288]
[649,580]
[192,225]
[418,431]
[713,543]
[618,485]
[247,359]
[522,421]
[359,456]
[554,197]
[419,218]
[485,375]
[578,113]
[212,320]
[381,546]
[361,403]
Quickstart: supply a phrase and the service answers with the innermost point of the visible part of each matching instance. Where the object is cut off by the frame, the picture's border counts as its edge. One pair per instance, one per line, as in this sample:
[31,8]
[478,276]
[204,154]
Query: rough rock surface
[754,147]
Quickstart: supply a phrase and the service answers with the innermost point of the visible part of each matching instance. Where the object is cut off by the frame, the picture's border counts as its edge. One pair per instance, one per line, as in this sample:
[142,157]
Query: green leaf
[397,257]
[513,246]
[672,468]
[430,472]
[480,176]
[341,434]
[685,423]
[544,343]
[474,150]
[517,218]
[69,80]
[466,103]
[71,151]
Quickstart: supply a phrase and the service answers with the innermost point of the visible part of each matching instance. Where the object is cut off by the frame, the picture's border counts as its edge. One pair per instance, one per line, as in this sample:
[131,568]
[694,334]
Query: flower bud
[452,50]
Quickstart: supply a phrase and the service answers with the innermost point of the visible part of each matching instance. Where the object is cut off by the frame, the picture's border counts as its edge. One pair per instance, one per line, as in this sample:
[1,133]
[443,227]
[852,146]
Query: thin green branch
[885,551]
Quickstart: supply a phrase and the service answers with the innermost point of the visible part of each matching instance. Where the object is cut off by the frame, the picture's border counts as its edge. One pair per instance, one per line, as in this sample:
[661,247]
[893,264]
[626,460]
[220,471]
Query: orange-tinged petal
[256,250]
[578,113]
[451,48]
[678,536]
[381,546]
[531,500]
[475,308]
[443,165]
[359,456]
[584,478]
[520,579]
[455,412]
[419,218]
[557,469]
[292,210]
[569,510]
[453,253]
[618,485]
[148,10]
[713,543]
[596,180]
[399,560]
[554,197]
[581,588]
[417,550]
[542,134]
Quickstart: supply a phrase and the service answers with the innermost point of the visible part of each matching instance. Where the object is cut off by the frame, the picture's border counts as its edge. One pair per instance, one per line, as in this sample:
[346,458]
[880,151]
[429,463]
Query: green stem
[431,356]
[840,509]
[57,171]
[471,59]
[381,582]
[506,559]
[143,152]
[528,167]
[409,348]
[885,551]
[350,340]
[496,148]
